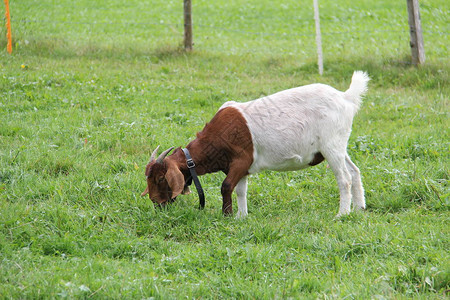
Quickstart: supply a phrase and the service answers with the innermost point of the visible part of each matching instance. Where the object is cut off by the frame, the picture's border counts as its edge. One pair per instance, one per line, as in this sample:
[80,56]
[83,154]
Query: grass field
[91,89]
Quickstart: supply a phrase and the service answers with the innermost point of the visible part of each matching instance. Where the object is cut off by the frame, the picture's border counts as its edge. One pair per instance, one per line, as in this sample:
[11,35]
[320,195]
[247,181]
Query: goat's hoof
[359,208]
[227,212]
[241,215]
[341,214]
[186,191]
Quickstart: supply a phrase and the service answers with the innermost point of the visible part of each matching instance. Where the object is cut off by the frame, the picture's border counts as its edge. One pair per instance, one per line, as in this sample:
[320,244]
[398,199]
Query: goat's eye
[160,179]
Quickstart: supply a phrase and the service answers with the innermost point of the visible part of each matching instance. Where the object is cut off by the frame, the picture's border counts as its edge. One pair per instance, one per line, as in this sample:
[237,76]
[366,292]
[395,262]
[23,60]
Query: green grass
[103,84]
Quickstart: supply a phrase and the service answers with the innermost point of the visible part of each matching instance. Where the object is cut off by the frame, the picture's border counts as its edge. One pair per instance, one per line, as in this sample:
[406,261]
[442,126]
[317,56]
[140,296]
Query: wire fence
[212,27]
[258,34]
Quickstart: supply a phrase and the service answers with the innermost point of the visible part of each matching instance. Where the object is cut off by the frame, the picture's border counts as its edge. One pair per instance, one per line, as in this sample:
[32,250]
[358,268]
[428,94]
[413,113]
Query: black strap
[191,166]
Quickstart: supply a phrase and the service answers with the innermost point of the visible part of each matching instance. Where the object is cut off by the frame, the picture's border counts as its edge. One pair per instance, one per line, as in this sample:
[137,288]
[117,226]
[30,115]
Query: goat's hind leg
[358,200]
[337,163]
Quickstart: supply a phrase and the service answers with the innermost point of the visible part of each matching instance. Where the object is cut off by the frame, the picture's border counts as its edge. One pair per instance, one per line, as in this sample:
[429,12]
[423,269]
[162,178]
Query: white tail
[357,88]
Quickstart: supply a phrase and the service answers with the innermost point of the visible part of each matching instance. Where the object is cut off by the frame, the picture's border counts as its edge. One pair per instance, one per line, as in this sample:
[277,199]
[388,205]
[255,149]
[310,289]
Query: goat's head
[164,178]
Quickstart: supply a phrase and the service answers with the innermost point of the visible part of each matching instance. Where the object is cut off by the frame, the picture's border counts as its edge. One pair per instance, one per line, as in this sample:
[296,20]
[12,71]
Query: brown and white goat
[289,130]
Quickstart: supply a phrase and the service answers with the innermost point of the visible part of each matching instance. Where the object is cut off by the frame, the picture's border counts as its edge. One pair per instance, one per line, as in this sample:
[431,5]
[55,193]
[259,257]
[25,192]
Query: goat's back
[289,127]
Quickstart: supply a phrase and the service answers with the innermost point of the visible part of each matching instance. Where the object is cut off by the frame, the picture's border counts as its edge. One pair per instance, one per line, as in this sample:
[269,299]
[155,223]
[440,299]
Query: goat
[289,130]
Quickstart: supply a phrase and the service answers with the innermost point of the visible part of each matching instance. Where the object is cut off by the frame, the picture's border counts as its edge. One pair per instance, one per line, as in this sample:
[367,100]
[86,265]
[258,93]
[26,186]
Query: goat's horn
[155,152]
[163,155]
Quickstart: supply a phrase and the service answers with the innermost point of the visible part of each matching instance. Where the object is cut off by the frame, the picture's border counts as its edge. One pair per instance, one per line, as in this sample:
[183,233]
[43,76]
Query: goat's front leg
[227,190]
[236,174]
[241,192]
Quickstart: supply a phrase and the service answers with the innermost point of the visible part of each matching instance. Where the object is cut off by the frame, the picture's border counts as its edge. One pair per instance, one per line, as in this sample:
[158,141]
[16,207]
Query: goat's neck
[207,159]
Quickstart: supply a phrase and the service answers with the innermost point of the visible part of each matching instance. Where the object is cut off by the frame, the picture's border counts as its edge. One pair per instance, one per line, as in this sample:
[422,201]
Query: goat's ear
[175,179]
[145,192]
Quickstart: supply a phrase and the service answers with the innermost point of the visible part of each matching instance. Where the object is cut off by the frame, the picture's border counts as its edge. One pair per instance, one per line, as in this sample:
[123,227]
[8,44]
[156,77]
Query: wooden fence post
[187,25]
[415,30]
[318,37]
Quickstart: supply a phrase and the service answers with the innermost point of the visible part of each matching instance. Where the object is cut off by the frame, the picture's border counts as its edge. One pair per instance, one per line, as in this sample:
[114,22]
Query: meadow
[93,87]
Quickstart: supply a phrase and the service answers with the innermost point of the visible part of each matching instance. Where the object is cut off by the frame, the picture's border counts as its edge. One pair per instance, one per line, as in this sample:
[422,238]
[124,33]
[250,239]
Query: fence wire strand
[224,29]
